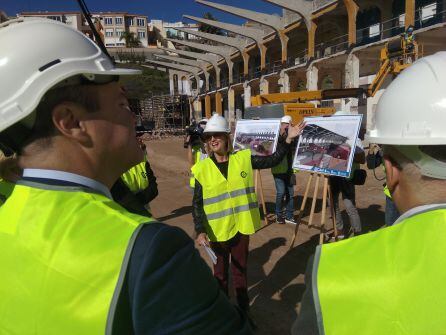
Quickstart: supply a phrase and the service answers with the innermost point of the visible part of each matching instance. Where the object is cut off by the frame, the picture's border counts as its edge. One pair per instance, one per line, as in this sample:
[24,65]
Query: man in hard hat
[72,260]
[284,180]
[225,207]
[391,281]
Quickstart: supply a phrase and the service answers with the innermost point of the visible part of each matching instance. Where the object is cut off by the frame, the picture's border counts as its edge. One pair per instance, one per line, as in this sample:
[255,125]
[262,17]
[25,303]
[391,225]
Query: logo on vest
[243,174]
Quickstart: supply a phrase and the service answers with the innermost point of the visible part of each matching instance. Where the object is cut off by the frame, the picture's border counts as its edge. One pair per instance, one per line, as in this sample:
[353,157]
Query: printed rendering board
[327,145]
[260,136]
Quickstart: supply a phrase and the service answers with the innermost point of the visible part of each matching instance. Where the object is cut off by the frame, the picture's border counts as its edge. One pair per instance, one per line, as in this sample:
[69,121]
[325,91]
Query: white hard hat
[286,119]
[217,124]
[37,54]
[412,110]
[205,120]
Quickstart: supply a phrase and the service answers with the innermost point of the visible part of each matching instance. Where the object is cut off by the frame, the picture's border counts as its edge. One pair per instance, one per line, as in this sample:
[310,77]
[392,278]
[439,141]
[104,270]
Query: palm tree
[131,41]
[207,28]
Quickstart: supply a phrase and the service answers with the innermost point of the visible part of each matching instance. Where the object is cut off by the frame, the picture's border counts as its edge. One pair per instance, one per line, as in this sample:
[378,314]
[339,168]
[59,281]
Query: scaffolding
[162,114]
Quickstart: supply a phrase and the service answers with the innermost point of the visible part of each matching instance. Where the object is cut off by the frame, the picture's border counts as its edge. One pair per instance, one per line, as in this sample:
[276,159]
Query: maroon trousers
[233,252]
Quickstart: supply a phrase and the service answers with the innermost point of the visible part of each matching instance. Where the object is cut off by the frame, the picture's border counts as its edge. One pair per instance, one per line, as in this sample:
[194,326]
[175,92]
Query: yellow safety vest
[198,156]
[230,204]
[63,257]
[5,190]
[387,282]
[136,178]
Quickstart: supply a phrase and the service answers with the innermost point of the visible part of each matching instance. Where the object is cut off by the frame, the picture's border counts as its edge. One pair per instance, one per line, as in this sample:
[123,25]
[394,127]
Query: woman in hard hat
[225,207]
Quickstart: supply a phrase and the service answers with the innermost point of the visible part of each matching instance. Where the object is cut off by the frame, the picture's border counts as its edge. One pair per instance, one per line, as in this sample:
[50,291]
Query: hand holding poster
[260,136]
[327,145]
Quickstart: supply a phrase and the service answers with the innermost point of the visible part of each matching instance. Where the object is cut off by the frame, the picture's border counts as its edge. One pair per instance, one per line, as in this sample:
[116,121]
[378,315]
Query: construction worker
[74,261]
[225,207]
[284,180]
[196,149]
[137,187]
[391,281]
[409,39]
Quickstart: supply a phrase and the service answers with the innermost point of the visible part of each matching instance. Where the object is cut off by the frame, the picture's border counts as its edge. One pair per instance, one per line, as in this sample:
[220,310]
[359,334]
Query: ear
[393,174]
[67,118]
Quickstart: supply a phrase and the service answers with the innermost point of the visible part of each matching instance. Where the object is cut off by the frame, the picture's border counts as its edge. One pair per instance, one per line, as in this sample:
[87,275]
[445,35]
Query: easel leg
[333,214]
[265,214]
[313,203]
[301,210]
[324,207]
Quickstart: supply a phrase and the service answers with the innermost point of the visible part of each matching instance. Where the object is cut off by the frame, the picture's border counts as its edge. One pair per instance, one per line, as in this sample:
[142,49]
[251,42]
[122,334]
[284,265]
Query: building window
[141,34]
[129,21]
[118,20]
[119,32]
[108,21]
[141,22]
[108,32]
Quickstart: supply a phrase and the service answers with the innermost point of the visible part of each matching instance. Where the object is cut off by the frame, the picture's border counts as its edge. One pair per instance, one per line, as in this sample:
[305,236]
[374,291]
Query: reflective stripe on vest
[230,204]
[282,167]
[136,178]
[387,282]
[63,254]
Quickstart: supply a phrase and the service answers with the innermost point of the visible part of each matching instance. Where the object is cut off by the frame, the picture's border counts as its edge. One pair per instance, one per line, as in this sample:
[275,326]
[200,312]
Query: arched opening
[428,12]
[331,37]
[185,89]
[368,24]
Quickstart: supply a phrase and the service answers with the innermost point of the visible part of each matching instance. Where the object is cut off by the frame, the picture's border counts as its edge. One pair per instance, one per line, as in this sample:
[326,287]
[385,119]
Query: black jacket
[257,163]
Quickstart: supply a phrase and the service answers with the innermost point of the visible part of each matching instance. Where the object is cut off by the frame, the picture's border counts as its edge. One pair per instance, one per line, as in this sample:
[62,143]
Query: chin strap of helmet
[97,37]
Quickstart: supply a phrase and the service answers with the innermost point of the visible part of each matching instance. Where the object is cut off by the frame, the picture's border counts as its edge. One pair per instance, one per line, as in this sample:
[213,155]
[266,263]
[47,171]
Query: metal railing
[331,47]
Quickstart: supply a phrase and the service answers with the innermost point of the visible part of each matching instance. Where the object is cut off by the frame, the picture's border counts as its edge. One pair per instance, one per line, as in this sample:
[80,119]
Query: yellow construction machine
[297,104]
[396,56]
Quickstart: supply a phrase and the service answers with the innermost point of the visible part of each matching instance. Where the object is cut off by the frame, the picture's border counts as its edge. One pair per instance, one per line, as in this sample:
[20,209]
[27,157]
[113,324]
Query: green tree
[207,28]
[131,41]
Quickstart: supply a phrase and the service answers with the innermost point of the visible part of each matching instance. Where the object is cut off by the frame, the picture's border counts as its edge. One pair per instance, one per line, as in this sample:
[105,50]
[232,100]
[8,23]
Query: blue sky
[167,10]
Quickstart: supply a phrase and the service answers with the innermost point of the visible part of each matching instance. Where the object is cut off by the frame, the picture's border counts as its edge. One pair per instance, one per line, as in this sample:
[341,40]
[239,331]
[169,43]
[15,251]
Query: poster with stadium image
[260,136]
[327,145]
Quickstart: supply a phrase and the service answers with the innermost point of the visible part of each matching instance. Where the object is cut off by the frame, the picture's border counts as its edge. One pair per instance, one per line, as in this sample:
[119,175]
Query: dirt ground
[275,273]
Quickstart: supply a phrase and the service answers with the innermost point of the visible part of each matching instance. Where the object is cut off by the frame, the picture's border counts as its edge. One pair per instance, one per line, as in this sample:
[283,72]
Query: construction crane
[396,56]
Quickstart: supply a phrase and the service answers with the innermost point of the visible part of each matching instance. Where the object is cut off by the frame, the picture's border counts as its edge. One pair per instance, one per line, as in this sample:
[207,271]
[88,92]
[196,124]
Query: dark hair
[18,135]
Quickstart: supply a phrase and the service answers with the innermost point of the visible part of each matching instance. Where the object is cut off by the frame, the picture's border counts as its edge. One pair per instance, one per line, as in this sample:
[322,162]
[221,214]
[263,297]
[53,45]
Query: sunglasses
[208,136]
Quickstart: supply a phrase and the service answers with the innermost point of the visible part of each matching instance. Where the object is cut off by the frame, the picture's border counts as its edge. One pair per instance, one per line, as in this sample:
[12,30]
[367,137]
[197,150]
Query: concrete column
[352,11]
[311,39]
[231,104]
[351,81]
[231,73]
[312,78]
[247,95]
[263,50]
[410,13]
[197,112]
[264,86]
[217,77]
[284,42]
[218,103]
[207,106]
[284,82]
[171,83]
[245,56]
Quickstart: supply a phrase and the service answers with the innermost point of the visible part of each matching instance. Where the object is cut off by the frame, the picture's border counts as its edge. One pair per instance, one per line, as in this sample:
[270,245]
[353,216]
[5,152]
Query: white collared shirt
[69,177]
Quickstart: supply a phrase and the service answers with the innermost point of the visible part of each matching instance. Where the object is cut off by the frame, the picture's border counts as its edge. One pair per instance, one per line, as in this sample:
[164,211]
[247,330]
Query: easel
[326,193]
[258,182]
